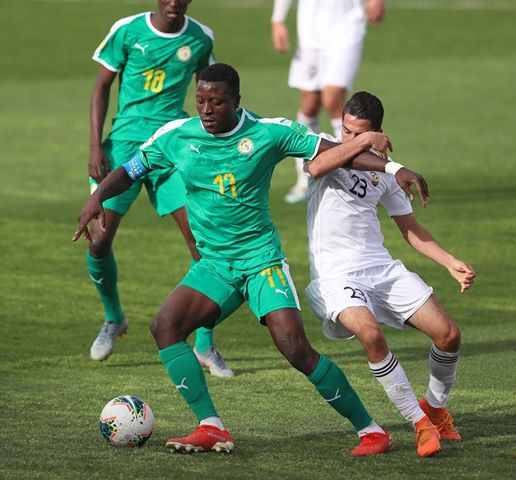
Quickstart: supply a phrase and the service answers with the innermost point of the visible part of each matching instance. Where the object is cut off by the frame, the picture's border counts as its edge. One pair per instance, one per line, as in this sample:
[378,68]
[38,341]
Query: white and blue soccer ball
[126,421]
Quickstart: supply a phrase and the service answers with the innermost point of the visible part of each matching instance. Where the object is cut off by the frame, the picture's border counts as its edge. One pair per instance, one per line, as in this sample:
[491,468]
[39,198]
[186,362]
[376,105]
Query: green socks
[188,377]
[203,339]
[103,273]
[331,383]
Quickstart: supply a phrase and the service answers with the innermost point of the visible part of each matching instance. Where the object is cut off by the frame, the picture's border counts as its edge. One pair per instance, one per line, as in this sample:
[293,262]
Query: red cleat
[442,419]
[373,444]
[203,439]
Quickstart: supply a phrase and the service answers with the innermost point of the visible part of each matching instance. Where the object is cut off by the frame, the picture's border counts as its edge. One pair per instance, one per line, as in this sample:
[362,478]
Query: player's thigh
[433,319]
[270,289]
[213,279]
[397,294]
[117,154]
[329,297]
[304,73]
[166,190]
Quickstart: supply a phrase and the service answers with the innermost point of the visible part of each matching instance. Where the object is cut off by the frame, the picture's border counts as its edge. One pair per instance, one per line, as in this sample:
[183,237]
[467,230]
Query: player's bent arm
[421,240]
[331,156]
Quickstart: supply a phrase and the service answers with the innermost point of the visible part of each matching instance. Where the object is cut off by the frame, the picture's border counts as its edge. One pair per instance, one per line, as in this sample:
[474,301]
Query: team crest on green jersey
[245,146]
[184,53]
[375,179]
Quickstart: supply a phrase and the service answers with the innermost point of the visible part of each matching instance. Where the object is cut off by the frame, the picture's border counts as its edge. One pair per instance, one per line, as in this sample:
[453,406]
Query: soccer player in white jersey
[330,37]
[355,283]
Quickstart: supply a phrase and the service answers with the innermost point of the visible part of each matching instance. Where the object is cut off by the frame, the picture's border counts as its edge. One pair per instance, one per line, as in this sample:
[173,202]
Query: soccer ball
[126,421]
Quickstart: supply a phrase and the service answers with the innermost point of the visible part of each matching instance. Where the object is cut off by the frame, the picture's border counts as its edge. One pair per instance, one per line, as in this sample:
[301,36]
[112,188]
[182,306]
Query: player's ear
[237,101]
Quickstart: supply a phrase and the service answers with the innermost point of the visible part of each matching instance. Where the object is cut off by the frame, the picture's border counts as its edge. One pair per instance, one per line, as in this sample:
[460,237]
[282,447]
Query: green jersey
[227,178]
[155,69]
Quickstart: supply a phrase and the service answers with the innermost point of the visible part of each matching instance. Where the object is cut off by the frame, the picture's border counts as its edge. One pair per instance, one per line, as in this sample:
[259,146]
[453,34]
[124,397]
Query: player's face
[216,106]
[172,10]
[353,126]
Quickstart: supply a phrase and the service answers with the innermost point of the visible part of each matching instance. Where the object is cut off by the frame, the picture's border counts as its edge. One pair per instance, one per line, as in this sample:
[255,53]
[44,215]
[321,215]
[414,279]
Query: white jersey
[321,22]
[344,232]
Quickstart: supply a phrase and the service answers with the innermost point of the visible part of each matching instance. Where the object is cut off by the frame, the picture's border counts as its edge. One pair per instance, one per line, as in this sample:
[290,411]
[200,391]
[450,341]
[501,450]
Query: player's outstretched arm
[116,182]
[420,239]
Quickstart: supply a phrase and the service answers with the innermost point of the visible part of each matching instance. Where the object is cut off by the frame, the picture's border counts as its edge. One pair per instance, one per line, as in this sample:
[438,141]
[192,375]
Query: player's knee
[299,354]
[449,340]
[165,331]
[99,248]
[371,335]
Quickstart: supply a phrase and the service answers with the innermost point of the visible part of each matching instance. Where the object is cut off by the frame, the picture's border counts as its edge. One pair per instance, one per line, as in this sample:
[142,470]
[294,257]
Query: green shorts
[165,188]
[265,289]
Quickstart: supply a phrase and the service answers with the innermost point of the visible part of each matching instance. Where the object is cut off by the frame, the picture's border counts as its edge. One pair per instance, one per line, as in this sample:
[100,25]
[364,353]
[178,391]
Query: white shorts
[391,292]
[313,69]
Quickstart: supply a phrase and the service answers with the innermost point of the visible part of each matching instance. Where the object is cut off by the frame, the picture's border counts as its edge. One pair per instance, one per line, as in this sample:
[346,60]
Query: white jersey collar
[163,34]
[231,132]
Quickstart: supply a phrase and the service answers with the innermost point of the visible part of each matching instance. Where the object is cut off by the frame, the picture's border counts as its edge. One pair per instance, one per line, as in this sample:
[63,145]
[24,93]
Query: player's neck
[165,26]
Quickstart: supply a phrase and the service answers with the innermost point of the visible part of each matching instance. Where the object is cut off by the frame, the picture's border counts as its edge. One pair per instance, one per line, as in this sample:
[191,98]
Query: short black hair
[366,106]
[222,72]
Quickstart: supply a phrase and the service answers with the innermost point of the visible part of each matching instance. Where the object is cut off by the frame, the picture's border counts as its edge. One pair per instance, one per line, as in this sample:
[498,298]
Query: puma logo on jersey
[283,292]
[182,385]
[98,281]
[336,397]
[139,47]
[195,149]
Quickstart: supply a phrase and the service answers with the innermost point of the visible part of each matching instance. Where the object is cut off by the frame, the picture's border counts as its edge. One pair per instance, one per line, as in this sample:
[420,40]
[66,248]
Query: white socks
[443,373]
[395,383]
[373,427]
[213,421]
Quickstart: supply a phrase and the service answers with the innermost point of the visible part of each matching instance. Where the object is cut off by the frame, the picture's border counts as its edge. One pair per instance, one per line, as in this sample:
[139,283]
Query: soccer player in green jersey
[226,157]
[155,56]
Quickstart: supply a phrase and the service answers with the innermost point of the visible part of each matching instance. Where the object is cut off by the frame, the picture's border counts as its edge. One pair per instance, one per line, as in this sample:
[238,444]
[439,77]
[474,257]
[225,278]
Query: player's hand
[406,178]
[463,273]
[98,166]
[378,141]
[92,210]
[280,38]
[375,11]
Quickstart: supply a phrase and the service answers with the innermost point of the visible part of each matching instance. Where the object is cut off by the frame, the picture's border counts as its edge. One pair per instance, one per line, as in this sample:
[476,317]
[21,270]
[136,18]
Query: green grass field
[445,70]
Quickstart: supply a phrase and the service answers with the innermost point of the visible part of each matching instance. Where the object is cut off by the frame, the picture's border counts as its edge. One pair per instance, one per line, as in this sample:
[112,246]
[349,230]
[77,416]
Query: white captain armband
[135,168]
[392,167]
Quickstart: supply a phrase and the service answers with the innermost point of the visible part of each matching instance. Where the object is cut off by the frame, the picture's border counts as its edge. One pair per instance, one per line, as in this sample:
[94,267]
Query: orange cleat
[373,444]
[442,419]
[203,439]
[427,438]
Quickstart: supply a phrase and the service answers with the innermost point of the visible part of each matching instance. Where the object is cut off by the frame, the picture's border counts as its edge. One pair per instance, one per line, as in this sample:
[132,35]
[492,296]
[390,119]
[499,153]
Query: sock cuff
[386,366]
[173,351]
[323,365]
[93,260]
[440,356]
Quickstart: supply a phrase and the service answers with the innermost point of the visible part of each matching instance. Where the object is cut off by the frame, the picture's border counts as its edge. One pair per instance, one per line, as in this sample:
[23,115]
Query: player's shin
[394,381]
[103,274]
[187,375]
[443,374]
[333,386]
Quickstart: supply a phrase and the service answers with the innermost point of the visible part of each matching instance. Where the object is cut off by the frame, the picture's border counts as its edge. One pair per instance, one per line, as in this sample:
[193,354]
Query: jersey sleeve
[395,200]
[293,139]
[112,52]
[152,155]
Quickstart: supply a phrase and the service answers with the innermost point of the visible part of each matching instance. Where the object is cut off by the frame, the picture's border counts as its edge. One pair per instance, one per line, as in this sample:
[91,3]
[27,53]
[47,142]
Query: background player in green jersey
[226,158]
[155,56]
